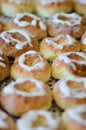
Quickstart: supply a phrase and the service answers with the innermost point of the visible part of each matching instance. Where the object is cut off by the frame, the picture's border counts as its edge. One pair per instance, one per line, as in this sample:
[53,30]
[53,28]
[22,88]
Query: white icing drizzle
[83,39]
[1,62]
[71,62]
[35,20]
[10,88]
[75,114]
[19,1]
[3,124]
[72,92]
[81,1]
[54,41]
[39,65]
[6,35]
[26,121]
[44,2]
[42,25]
[75,19]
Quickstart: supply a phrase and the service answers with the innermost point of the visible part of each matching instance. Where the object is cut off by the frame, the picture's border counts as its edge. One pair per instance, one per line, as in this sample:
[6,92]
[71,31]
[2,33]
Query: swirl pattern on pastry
[32,65]
[63,23]
[75,118]
[43,120]
[70,91]
[52,47]
[31,23]
[16,42]
[69,63]
[31,94]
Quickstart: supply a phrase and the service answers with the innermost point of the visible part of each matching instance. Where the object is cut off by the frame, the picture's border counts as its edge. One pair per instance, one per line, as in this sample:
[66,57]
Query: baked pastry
[63,23]
[75,118]
[11,7]
[24,95]
[80,6]
[2,26]
[70,91]
[6,122]
[83,43]
[46,8]
[69,63]
[50,48]
[31,23]
[31,65]
[15,42]
[4,67]
[41,119]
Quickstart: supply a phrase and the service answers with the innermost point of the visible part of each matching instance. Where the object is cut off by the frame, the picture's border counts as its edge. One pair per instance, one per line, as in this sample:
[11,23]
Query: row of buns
[32,52]
[43,8]
[71,119]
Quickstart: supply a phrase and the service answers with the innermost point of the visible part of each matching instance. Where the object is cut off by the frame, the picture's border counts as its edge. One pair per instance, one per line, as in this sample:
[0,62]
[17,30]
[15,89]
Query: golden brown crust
[80,7]
[48,9]
[8,121]
[2,26]
[56,28]
[10,49]
[10,9]
[21,104]
[42,72]
[50,48]
[69,63]
[75,89]
[38,30]
[71,124]
[4,67]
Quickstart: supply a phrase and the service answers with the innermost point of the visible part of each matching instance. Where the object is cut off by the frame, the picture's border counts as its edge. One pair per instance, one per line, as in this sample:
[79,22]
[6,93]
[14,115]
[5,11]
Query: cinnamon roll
[70,91]
[69,63]
[31,23]
[75,118]
[15,42]
[31,65]
[24,95]
[63,23]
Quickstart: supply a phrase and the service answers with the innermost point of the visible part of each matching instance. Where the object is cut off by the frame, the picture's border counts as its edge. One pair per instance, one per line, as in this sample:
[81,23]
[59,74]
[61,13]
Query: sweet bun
[11,7]
[50,48]
[4,67]
[75,118]
[31,23]
[15,42]
[69,63]
[24,95]
[31,65]
[6,122]
[70,91]
[43,120]
[63,23]
[46,8]
[80,6]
